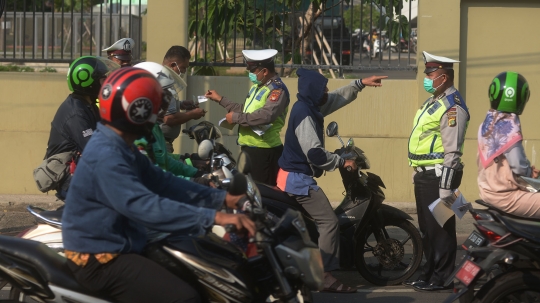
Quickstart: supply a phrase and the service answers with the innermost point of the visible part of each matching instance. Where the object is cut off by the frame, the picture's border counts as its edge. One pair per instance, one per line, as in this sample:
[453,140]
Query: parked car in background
[336,35]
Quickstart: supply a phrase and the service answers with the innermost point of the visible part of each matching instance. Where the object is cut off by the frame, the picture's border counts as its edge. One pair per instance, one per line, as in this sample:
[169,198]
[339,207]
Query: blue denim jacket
[116,192]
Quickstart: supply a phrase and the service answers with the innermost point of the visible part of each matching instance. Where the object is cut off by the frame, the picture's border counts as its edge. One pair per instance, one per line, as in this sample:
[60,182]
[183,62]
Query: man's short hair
[177,52]
[450,74]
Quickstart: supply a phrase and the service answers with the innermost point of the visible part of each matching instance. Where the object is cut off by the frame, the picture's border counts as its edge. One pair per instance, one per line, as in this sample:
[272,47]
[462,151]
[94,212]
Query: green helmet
[84,74]
[509,92]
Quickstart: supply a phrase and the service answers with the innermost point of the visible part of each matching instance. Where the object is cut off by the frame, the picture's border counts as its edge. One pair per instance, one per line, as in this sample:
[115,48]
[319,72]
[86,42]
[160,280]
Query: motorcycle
[379,240]
[288,263]
[504,250]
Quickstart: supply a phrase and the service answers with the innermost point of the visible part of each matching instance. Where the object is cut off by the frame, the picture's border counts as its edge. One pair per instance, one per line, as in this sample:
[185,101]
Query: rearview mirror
[205,149]
[332,129]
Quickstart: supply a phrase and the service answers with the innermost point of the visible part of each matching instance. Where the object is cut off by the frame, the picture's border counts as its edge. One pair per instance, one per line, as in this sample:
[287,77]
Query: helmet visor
[178,84]
[105,67]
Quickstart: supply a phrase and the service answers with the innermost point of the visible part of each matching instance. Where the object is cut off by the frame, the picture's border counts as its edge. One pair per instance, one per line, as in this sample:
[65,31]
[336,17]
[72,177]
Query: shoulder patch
[457,100]
[274,95]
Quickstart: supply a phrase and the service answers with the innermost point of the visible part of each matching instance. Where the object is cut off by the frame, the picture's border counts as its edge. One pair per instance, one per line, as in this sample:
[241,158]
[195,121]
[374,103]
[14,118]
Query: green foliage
[15,68]
[48,70]
[369,14]
[393,22]
[204,70]
[68,5]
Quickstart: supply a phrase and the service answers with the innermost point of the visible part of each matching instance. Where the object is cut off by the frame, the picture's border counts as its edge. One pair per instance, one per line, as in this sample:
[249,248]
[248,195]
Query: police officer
[435,150]
[120,51]
[262,115]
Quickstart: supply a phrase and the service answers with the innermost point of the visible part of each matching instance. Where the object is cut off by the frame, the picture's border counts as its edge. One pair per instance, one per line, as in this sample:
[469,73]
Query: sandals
[338,287]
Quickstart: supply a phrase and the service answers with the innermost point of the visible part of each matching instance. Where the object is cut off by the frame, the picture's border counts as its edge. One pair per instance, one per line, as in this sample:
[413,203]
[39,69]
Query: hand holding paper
[442,212]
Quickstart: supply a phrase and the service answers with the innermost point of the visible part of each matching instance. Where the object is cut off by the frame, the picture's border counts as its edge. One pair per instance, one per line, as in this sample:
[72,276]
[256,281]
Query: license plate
[474,240]
[468,271]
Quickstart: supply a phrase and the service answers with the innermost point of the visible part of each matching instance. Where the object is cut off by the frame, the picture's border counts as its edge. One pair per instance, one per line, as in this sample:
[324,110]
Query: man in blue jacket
[116,193]
[304,158]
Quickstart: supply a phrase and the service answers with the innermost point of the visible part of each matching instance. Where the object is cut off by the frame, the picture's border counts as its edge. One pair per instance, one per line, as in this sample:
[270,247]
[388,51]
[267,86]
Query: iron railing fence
[41,33]
[318,39]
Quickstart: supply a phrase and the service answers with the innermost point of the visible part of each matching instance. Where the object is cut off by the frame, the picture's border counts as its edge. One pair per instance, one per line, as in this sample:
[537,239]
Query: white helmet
[166,76]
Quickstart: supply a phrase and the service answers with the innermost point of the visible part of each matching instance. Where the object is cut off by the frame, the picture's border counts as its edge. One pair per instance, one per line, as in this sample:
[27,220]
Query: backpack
[53,171]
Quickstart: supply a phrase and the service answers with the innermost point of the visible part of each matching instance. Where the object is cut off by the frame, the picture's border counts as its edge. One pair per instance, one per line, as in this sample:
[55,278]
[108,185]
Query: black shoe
[412,282]
[430,287]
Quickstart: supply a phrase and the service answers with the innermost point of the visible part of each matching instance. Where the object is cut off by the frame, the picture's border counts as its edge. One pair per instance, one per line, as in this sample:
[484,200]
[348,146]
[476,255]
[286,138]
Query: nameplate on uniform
[259,95]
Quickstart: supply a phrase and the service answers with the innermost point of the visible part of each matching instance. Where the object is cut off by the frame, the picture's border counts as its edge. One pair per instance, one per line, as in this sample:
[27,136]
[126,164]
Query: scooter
[505,250]
[287,262]
[379,240]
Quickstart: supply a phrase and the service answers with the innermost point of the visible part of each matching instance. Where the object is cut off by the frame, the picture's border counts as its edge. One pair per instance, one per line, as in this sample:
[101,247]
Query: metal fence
[43,32]
[360,35]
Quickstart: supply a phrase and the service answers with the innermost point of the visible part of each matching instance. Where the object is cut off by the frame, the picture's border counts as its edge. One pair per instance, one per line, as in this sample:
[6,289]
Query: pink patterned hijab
[497,134]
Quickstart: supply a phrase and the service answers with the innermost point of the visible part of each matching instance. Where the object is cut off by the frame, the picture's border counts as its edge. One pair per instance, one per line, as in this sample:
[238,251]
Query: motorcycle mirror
[238,185]
[205,149]
[244,163]
[332,129]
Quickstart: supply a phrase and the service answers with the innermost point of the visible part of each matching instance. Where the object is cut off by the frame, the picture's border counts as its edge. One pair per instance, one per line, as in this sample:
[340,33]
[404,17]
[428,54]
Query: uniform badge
[457,100]
[274,95]
[451,121]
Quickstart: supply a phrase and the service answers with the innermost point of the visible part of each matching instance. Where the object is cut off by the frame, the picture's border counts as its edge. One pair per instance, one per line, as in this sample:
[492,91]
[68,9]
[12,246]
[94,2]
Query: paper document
[440,211]
[223,123]
[199,99]
[460,206]
[260,129]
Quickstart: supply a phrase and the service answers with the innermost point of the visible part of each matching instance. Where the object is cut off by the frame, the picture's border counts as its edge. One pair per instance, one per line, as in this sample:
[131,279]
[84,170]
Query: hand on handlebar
[350,165]
[240,221]
[231,201]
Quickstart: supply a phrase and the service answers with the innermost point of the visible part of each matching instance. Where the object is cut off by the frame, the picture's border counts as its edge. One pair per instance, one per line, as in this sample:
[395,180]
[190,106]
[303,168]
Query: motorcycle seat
[48,264]
[529,229]
[274,193]
[501,212]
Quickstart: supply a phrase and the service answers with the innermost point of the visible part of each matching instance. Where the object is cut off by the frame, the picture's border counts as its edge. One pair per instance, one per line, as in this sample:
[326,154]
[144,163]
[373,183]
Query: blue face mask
[253,77]
[428,85]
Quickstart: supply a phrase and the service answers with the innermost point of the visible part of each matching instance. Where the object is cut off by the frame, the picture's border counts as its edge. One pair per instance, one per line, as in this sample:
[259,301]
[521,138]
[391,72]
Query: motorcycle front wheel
[511,287]
[390,255]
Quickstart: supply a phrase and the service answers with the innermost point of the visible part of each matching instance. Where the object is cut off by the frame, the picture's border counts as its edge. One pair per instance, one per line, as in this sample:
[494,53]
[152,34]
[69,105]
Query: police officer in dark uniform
[120,51]
[435,150]
[262,115]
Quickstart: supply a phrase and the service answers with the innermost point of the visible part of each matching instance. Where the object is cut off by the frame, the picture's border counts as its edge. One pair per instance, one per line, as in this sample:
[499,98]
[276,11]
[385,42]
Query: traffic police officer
[120,51]
[435,149]
[262,115]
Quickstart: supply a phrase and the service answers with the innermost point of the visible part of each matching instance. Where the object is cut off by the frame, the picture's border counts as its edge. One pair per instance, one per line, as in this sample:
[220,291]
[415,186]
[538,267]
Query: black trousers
[133,278]
[439,243]
[264,163]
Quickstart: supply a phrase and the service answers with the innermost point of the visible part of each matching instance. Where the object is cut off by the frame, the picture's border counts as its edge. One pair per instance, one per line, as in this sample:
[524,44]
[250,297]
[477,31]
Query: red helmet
[130,99]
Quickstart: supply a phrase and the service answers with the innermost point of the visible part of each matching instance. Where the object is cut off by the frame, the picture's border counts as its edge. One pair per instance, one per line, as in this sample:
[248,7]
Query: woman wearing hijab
[501,156]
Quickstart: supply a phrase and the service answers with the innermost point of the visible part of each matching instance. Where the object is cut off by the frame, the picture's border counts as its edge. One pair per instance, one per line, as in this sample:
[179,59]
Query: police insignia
[274,95]
[451,121]
[457,100]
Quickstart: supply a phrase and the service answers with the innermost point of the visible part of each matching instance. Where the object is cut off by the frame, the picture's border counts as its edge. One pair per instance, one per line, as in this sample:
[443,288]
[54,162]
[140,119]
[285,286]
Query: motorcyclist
[117,192]
[76,118]
[155,146]
[501,157]
[304,158]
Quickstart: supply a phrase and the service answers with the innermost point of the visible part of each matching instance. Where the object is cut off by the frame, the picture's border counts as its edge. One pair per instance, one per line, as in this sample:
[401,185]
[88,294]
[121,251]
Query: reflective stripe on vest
[246,136]
[425,143]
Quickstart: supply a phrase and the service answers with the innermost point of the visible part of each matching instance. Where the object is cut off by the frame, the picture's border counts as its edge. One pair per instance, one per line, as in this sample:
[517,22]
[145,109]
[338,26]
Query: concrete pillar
[167,26]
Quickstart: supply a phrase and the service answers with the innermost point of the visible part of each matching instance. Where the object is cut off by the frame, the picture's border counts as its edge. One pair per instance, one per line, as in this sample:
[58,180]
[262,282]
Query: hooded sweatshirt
[303,152]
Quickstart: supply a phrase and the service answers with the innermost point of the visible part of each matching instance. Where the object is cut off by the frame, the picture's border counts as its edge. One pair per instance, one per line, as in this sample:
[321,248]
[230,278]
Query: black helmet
[509,92]
[84,74]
